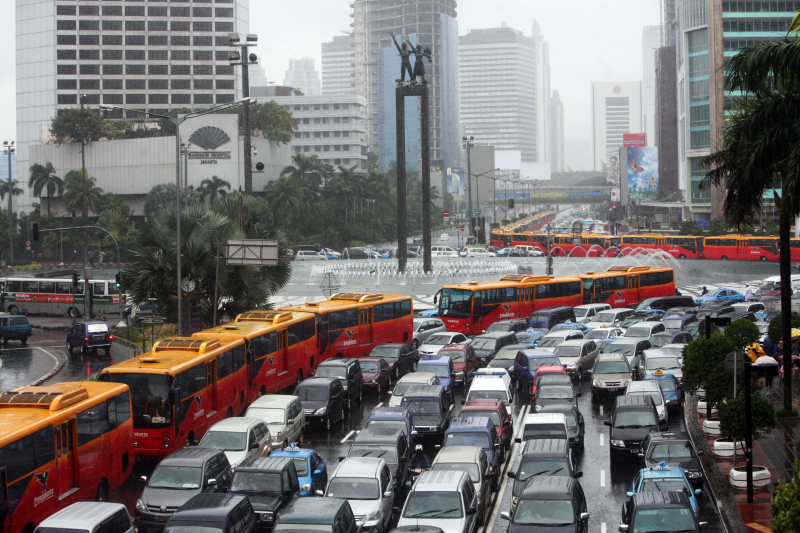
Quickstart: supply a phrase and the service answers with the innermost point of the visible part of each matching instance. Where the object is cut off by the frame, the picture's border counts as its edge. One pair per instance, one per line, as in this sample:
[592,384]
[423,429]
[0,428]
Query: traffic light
[259,166]
[36,231]
[511,203]
[74,282]
[117,283]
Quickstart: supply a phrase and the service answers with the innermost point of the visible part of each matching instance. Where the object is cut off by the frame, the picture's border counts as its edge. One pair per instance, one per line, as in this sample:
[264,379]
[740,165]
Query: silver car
[473,461]
[652,389]
[437,341]
[367,485]
[283,415]
[424,328]
[446,500]
[577,355]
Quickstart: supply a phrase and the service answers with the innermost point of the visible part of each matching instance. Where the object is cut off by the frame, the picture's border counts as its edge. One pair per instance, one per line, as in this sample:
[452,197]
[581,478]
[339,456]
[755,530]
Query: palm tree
[286,197]
[306,170]
[43,178]
[15,191]
[80,192]
[215,187]
[762,151]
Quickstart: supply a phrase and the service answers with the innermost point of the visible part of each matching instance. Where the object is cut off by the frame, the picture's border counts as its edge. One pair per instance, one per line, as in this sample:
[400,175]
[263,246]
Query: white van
[239,437]
[493,384]
[90,517]
[544,426]
[283,414]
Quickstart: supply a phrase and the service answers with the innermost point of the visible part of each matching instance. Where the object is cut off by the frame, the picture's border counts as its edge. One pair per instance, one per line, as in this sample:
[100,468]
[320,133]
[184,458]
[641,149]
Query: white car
[551,340]
[437,341]
[609,317]
[332,253]
[424,328]
[283,415]
[604,332]
[414,378]
[442,254]
[444,237]
[480,252]
[587,312]
[532,250]
[240,438]
[308,255]
[645,330]
[492,384]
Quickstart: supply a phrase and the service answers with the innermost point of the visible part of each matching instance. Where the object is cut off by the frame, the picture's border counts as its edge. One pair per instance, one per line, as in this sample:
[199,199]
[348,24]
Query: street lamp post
[10,150]
[177,121]
[468,145]
[478,192]
[244,60]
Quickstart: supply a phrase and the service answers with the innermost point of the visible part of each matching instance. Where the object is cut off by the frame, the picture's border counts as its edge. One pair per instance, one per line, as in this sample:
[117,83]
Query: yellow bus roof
[175,354]
[511,281]
[345,300]
[617,270]
[25,410]
[254,323]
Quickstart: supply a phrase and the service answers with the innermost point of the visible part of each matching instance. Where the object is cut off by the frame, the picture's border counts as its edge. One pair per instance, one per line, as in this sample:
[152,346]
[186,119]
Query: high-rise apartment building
[302,74]
[338,66]
[154,56]
[616,110]
[432,24]
[556,133]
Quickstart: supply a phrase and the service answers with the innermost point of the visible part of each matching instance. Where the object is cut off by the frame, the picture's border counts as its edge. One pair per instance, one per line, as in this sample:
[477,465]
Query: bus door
[65,462]
[251,360]
[211,385]
[476,309]
[322,338]
[632,296]
[365,325]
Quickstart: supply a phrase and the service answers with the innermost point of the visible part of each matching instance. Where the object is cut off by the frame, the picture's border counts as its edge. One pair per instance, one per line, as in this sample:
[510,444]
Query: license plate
[160,518]
[99,337]
[612,389]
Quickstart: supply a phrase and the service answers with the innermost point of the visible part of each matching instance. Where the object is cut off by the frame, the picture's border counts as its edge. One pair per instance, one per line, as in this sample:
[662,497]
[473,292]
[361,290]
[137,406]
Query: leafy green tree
[15,191]
[776,324]
[732,417]
[214,187]
[164,195]
[690,227]
[167,125]
[66,126]
[82,193]
[785,507]
[704,367]
[717,226]
[44,179]
[771,229]
[306,172]
[742,333]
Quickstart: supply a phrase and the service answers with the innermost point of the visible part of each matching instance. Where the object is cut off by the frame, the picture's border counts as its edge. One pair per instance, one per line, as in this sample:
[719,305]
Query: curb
[137,350]
[726,507]
[56,369]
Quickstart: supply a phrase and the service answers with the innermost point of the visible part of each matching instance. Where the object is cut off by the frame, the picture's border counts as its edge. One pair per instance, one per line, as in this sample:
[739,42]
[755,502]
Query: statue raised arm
[405,60]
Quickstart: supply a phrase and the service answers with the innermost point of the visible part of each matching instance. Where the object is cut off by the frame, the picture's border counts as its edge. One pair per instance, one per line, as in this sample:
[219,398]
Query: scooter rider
[419,461]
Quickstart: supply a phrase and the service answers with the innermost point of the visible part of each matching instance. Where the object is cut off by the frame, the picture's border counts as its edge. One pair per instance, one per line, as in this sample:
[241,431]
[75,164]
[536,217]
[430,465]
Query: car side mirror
[254,445]
[703,525]
[317,472]
[577,474]
[518,440]
[507,424]
[629,494]
[496,445]
[623,528]
[585,516]
[505,515]
[462,402]
[472,511]
[511,474]
[578,394]
[699,452]
[698,492]
[342,458]
[387,494]
[143,478]
[211,482]
[607,423]
[319,493]
[195,442]
[414,432]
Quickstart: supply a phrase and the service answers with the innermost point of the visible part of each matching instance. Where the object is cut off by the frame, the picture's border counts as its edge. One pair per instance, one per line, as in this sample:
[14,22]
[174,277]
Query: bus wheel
[724,257]
[29,528]
[102,491]
[13,310]
[681,256]
[73,312]
[299,377]
[762,258]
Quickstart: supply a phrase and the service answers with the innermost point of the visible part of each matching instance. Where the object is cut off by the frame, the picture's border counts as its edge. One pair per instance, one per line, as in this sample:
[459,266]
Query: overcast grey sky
[590,40]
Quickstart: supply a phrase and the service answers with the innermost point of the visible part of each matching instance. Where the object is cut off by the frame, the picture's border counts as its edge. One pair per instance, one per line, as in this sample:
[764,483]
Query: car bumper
[370,384]
[608,391]
[312,419]
[151,521]
[626,451]
[425,432]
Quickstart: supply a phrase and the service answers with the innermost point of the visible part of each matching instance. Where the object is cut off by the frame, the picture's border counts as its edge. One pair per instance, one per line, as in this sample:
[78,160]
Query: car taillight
[86,338]
[110,337]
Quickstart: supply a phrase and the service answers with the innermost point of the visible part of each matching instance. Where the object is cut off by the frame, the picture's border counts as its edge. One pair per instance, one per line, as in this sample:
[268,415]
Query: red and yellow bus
[61,444]
[626,286]
[678,246]
[471,307]
[592,244]
[281,348]
[351,324]
[794,244]
[741,248]
[180,388]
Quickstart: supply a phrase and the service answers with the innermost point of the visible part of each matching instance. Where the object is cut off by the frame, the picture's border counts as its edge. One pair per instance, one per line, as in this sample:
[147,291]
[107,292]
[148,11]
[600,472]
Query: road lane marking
[602,527]
[602,438]
[759,527]
[347,437]
[601,410]
[378,405]
[602,478]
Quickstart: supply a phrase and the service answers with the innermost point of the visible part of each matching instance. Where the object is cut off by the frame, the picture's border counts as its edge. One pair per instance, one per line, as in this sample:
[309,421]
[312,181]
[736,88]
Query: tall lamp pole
[244,59]
[468,145]
[9,149]
[177,121]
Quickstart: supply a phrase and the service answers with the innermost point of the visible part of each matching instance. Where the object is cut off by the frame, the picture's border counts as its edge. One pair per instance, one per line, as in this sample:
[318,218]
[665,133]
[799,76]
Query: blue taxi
[662,478]
[530,337]
[670,386]
[312,472]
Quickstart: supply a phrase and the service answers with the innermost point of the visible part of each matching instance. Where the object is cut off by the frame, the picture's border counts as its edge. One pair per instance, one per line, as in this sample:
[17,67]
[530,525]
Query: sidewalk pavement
[776,451]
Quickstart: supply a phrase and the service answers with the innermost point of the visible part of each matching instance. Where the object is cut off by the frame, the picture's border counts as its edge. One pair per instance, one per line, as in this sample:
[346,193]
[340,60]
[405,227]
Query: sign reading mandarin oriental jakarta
[209,138]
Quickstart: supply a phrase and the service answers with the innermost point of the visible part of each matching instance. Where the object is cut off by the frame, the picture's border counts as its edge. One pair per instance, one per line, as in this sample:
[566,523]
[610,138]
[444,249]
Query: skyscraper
[302,74]
[432,24]
[616,110]
[556,133]
[651,41]
[338,66]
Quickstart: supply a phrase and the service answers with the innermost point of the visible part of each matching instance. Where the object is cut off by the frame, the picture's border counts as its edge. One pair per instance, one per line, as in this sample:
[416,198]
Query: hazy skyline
[590,40]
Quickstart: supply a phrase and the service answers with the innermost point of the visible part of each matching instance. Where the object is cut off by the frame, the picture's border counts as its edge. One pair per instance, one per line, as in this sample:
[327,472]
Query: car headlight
[374,515]
[596,383]
[140,506]
[268,516]
[618,443]
[695,474]
[662,416]
[305,488]
[344,387]
[626,383]
[572,365]
[320,411]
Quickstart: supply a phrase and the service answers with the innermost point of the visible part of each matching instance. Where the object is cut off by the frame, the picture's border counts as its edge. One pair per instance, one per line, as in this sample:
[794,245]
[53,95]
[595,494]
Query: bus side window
[99,289]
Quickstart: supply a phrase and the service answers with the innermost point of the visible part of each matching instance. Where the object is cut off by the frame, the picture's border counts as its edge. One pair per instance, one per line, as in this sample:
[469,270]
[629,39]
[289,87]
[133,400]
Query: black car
[389,444]
[270,483]
[575,423]
[488,344]
[430,407]
[348,371]
[632,419]
[318,514]
[636,317]
[355,253]
[552,457]
[548,393]
[214,512]
[176,479]
[665,303]
[547,502]
[652,511]
[676,449]
[401,358]
[322,400]
[511,325]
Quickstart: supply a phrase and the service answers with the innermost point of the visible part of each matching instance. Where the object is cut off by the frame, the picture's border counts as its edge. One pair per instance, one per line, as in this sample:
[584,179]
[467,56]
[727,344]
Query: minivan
[443,367]
[14,327]
[214,513]
[390,444]
[632,419]
[322,400]
[430,407]
[546,318]
[349,373]
[549,457]
[89,517]
[270,483]
[324,515]
[240,438]
[478,431]
[283,415]
[451,491]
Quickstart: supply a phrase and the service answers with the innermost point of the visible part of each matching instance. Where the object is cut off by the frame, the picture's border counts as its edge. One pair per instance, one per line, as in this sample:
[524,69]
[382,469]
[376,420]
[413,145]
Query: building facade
[338,66]
[302,74]
[432,24]
[651,41]
[332,126]
[616,110]
[556,133]
[156,57]
[666,120]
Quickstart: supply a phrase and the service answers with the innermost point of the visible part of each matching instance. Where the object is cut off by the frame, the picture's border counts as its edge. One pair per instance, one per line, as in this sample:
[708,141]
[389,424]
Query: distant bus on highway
[741,248]
[58,296]
[678,246]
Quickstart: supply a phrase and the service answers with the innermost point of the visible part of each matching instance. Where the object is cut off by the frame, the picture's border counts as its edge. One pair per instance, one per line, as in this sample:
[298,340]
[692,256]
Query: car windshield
[469,438]
[484,344]
[330,371]
[675,484]
[301,465]
[543,431]
[256,482]
[544,512]
[385,352]
[555,392]
[536,466]
[673,323]
[663,520]
[540,320]
[667,385]
[422,407]
[150,398]
[612,367]
[628,322]
[620,347]
[176,477]
[302,528]
[456,303]
[97,328]
[354,488]
[493,415]
[181,529]
[638,332]
[634,419]
[507,353]
[657,341]
[312,394]
[488,395]
[536,362]
[441,371]
[370,366]
[225,440]
[470,468]
[671,450]
[548,342]
[430,504]
[663,363]
[567,351]
[597,334]
[580,312]
[438,340]
[270,416]
[607,318]
[656,396]
[563,327]
[457,356]
[388,424]
[387,453]
[526,338]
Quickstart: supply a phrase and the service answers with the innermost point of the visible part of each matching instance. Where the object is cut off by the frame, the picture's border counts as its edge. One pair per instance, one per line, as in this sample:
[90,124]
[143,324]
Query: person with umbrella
[767,360]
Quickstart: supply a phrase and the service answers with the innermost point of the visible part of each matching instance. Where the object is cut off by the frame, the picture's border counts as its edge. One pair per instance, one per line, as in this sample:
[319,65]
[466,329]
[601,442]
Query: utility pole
[244,60]
[10,150]
[83,175]
[468,144]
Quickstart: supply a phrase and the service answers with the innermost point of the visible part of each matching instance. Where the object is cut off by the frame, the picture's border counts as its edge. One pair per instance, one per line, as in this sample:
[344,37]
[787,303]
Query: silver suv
[577,355]
[367,485]
[611,374]
[446,500]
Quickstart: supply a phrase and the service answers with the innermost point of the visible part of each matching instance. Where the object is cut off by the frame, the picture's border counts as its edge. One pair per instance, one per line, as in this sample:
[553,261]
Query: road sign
[462,227]
[447,213]
[27,243]
[256,252]
[476,212]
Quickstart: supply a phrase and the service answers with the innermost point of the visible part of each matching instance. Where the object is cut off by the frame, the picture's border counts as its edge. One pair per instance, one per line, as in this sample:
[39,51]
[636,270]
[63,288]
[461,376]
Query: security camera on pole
[244,60]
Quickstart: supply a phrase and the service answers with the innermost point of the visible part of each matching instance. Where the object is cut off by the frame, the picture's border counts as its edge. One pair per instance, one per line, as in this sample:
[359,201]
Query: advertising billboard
[612,167]
[642,173]
[634,139]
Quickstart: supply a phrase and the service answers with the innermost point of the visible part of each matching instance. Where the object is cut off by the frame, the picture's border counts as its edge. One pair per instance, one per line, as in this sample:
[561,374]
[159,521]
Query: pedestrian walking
[748,293]
[705,291]
[767,360]
[91,257]
[101,258]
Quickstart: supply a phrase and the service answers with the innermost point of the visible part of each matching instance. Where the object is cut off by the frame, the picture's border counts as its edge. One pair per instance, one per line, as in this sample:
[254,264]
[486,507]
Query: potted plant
[732,426]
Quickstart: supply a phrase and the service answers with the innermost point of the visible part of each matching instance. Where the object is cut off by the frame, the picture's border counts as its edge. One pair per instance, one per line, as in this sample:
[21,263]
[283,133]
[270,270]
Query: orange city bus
[678,246]
[61,444]
[794,244]
[351,324]
[470,308]
[283,344]
[741,248]
[181,388]
[592,245]
[626,286]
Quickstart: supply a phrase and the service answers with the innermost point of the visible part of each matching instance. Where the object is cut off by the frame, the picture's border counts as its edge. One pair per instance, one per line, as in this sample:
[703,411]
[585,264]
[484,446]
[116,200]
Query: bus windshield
[150,397]
[456,303]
